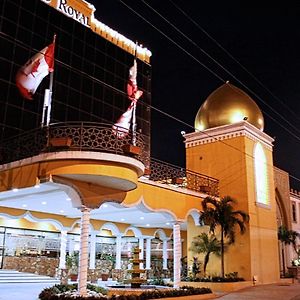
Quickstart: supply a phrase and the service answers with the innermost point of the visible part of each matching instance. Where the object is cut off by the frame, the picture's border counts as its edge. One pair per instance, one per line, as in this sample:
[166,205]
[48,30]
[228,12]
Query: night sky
[264,39]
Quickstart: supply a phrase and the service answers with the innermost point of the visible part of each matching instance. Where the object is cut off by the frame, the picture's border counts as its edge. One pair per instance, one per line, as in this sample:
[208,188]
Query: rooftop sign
[83,12]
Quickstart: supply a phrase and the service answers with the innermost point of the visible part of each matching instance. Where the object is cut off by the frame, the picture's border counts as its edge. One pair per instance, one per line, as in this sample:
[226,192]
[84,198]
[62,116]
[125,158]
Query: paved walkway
[266,292]
[30,291]
[21,291]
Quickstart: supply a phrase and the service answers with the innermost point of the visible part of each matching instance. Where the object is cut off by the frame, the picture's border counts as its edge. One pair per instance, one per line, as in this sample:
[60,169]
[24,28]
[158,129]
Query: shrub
[54,293]
[157,281]
[230,277]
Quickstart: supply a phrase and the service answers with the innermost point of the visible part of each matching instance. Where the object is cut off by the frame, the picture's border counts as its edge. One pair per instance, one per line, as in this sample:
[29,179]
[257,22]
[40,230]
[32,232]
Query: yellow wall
[231,161]
[163,199]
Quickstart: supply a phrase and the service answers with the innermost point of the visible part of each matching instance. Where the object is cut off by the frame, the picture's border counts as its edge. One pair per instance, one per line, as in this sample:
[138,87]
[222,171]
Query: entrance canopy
[58,199]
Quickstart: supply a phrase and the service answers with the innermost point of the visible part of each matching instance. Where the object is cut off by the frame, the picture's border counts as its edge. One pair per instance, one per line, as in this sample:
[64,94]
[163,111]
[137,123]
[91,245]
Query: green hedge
[52,293]
[230,277]
[183,291]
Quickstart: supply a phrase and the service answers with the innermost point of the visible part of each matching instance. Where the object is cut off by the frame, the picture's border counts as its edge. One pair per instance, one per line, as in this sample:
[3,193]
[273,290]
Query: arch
[78,222]
[137,232]
[112,227]
[29,217]
[161,234]
[195,214]
[281,209]
[70,189]
[145,208]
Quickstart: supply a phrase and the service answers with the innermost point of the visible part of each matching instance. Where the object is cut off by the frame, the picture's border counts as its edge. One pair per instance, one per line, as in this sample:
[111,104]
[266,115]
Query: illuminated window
[261,179]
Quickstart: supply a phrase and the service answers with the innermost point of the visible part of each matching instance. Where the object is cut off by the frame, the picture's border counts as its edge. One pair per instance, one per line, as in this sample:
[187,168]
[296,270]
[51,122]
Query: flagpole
[133,120]
[48,99]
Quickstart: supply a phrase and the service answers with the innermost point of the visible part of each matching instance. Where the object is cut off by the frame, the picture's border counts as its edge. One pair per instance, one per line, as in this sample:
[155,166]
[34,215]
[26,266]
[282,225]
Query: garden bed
[193,297]
[69,292]
[219,286]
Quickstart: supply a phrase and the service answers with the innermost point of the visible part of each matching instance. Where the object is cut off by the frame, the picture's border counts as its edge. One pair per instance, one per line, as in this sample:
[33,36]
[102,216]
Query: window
[294,214]
[261,180]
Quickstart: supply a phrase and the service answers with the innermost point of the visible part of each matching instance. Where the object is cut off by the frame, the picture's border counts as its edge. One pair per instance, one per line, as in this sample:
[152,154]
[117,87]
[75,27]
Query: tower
[229,144]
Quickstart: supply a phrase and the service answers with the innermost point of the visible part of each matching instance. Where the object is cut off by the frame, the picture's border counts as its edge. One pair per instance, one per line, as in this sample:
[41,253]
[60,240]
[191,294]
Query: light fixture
[15,190]
[147,225]
[182,132]
[24,205]
[61,211]
[37,186]
[105,205]
[44,202]
[167,223]
[68,199]
[142,218]
[122,219]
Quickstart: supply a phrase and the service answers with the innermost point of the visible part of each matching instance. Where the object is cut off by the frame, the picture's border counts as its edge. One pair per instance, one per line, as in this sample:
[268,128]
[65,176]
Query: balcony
[97,137]
[172,175]
[72,136]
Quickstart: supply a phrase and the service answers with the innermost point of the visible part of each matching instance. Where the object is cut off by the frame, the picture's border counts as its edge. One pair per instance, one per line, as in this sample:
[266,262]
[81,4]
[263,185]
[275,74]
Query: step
[12,276]
[8,272]
[54,281]
[25,277]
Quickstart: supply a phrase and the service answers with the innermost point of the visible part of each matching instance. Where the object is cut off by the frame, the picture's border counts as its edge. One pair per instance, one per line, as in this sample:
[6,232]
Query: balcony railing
[169,174]
[72,136]
[86,136]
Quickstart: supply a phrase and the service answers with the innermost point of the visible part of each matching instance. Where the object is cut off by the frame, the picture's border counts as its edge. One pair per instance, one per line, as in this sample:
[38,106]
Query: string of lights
[228,72]
[212,72]
[234,59]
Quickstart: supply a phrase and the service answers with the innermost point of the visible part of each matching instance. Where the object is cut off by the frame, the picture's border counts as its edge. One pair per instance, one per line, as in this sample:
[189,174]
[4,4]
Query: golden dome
[227,105]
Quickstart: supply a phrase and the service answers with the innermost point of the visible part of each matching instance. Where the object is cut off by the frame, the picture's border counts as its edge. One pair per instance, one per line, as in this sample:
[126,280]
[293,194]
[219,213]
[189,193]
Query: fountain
[136,280]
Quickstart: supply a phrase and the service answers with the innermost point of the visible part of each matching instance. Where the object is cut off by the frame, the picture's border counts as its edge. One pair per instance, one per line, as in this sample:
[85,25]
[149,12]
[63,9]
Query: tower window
[261,178]
[294,215]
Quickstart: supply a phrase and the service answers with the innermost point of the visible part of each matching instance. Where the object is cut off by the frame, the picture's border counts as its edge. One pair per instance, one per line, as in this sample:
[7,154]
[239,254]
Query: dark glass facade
[90,74]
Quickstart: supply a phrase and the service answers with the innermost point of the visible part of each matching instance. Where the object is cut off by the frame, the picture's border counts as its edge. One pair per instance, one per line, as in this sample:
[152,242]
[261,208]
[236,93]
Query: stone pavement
[266,292]
[30,291]
[21,291]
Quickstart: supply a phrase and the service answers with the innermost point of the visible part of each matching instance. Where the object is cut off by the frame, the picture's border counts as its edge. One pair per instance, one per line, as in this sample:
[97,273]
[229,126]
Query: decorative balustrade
[180,177]
[86,136]
[72,136]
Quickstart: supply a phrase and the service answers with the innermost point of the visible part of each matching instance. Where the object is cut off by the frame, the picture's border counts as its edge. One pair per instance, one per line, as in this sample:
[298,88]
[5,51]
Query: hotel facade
[76,187]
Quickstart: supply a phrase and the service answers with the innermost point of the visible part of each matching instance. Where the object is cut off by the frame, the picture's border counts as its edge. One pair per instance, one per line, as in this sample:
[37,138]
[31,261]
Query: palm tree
[286,237]
[293,237]
[207,244]
[221,213]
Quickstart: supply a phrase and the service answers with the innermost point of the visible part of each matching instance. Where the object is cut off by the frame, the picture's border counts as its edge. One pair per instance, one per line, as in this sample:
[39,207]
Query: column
[84,253]
[71,245]
[141,255]
[176,254]
[63,247]
[165,254]
[118,252]
[93,251]
[148,254]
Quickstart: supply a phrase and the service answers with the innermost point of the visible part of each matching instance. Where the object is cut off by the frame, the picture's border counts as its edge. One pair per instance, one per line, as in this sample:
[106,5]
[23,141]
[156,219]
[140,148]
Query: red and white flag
[33,72]
[132,90]
[121,128]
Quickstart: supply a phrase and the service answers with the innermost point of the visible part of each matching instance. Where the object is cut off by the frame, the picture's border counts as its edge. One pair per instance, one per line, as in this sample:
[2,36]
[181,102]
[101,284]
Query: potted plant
[72,262]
